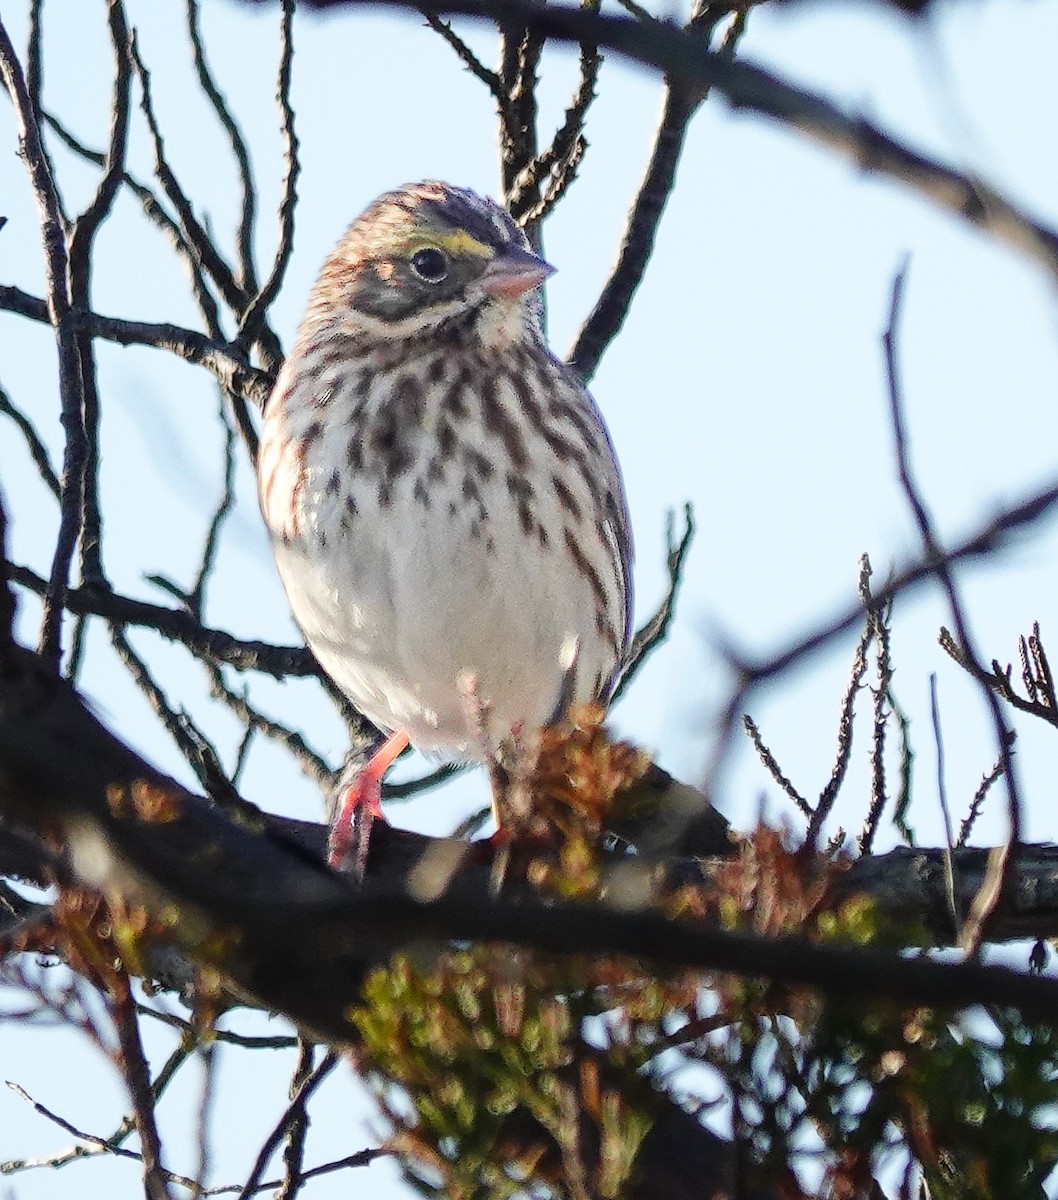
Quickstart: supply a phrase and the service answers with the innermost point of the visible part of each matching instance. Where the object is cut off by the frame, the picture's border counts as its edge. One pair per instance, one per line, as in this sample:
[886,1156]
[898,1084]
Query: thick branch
[297,937]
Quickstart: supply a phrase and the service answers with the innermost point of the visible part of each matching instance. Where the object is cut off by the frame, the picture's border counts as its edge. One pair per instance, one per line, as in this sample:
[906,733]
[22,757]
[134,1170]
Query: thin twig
[156,214]
[294,1111]
[413,787]
[246,1041]
[240,151]
[558,164]
[942,796]
[975,804]
[99,1145]
[903,798]
[605,320]
[96,1144]
[678,55]
[127,1126]
[196,597]
[879,619]
[197,750]
[178,625]
[205,252]
[37,450]
[251,326]
[85,227]
[653,632]
[35,57]
[985,905]
[312,763]
[467,56]
[520,53]
[204,1123]
[82,236]
[60,315]
[1041,701]
[298,1127]
[226,364]
[828,796]
[772,765]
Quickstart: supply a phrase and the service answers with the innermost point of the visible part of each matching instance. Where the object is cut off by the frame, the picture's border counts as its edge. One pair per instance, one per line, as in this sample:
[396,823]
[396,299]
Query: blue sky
[749,380]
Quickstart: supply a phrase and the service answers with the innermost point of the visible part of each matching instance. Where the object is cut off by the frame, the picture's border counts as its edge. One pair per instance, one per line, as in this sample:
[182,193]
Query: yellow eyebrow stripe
[458,244]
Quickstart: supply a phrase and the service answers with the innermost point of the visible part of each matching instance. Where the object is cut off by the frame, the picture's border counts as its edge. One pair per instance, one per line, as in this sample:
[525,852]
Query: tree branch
[225,362]
[671,51]
[60,317]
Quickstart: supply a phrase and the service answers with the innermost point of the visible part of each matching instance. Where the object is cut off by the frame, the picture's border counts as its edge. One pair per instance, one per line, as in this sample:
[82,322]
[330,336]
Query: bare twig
[467,56]
[99,1145]
[878,618]
[297,1127]
[520,52]
[156,214]
[251,326]
[38,451]
[644,219]
[530,199]
[654,631]
[229,367]
[240,151]
[980,915]
[82,236]
[110,1145]
[35,58]
[829,794]
[975,805]
[313,764]
[295,1111]
[96,1144]
[772,766]
[196,597]
[903,798]
[942,797]
[246,1041]
[85,227]
[201,245]
[178,625]
[1040,700]
[413,787]
[208,1057]
[71,392]
[191,742]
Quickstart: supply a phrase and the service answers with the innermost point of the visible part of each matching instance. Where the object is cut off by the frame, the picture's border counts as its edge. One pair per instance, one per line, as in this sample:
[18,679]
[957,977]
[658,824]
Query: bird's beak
[514,272]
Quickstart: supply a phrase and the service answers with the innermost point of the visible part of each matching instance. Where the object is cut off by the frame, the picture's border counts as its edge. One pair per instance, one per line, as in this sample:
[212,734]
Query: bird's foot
[360,808]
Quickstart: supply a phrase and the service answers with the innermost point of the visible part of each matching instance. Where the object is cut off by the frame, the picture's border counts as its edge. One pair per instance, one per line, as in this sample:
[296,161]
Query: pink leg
[361,807]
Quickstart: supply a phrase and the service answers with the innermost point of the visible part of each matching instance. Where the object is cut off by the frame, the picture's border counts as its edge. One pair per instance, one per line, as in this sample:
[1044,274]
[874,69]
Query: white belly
[399,611]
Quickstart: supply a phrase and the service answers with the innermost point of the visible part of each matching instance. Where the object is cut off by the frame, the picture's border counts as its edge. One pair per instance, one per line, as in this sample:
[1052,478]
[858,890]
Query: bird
[442,496]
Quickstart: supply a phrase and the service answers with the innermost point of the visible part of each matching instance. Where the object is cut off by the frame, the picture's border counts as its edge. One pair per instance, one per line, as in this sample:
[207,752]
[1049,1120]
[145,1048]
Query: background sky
[749,381]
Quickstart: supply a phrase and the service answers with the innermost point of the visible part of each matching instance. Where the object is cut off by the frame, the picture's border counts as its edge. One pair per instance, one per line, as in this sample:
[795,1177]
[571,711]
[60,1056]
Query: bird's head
[428,254]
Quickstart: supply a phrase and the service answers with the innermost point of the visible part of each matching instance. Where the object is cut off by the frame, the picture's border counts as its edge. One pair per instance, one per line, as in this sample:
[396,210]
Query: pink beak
[514,272]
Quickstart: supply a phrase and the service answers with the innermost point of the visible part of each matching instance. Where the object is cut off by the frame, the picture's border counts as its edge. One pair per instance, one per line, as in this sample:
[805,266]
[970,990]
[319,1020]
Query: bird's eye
[429,264]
